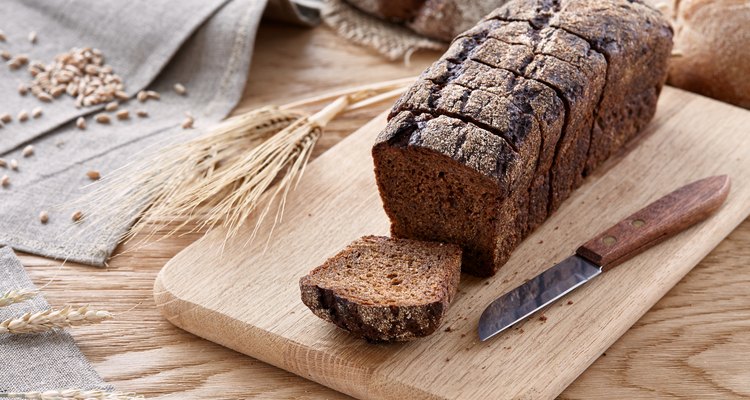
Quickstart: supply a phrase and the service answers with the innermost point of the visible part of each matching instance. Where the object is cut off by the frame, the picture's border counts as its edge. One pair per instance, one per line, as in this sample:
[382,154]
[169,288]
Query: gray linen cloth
[43,361]
[204,44]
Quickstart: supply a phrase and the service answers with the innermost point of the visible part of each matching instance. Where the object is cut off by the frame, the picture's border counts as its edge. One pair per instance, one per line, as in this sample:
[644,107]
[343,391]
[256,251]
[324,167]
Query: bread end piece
[384,289]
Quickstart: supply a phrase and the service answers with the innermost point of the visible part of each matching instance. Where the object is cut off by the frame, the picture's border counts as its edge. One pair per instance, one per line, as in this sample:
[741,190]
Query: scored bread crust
[549,90]
[374,319]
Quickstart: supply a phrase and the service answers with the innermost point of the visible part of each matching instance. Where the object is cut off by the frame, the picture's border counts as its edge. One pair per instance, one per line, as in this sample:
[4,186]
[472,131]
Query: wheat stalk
[17,296]
[43,321]
[226,171]
[74,394]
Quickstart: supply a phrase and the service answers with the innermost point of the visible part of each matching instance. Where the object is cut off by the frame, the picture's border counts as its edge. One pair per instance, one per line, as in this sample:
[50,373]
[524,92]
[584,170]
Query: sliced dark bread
[385,289]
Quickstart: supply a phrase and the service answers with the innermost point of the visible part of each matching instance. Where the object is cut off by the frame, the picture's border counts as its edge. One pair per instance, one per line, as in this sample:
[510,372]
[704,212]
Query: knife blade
[654,223]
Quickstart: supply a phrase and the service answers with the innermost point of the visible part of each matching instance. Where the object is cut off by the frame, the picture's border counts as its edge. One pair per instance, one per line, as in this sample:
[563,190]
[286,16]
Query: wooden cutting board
[246,297]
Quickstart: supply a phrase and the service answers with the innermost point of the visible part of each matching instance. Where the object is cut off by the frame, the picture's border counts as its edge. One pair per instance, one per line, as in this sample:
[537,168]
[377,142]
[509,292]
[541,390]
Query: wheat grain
[77,216]
[14,164]
[28,151]
[23,116]
[46,97]
[50,319]
[180,89]
[187,123]
[6,118]
[3,163]
[72,394]
[5,54]
[32,37]
[142,113]
[22,89]
[36,112]
[18,61]
[17,296]
[5,181]
[2,36]
[123,114]
[44,217]
[102,118]
[94,175]
[81,123]
[142,96]
[152,94]
[112,106]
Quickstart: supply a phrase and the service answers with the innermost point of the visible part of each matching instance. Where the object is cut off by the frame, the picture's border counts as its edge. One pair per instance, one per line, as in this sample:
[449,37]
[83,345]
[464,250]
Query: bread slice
[385,289]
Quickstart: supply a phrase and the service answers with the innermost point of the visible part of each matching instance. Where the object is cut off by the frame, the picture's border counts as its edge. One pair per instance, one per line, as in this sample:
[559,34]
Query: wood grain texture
[694,343]
[202,288]
[658,221]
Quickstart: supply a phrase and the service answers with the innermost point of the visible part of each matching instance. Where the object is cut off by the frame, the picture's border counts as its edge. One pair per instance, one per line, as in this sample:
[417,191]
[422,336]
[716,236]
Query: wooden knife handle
[656,222]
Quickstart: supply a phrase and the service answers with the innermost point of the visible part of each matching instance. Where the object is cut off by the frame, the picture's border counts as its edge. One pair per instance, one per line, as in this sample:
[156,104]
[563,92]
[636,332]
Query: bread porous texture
[385,289]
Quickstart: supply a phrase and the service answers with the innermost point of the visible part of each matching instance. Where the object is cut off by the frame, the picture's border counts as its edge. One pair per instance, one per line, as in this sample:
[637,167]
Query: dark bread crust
[563,83]
[392,316]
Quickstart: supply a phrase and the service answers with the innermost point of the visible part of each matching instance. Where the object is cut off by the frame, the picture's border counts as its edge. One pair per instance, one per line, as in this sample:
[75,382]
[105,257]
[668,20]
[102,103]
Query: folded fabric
[43,361]
[206,45]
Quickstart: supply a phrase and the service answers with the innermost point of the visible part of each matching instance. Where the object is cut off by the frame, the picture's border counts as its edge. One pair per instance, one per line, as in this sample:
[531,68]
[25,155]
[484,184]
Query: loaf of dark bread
[496,134]
[437,19]
[385,289]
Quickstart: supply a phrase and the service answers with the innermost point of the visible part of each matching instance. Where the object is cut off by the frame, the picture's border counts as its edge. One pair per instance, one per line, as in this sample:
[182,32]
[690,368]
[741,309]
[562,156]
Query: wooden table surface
[695,343]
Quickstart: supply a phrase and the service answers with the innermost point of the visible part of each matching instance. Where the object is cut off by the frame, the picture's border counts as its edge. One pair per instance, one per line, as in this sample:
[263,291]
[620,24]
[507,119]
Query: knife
[656,222]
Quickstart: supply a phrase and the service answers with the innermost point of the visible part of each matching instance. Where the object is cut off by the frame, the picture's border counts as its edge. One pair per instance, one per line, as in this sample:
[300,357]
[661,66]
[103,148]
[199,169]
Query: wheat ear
[17,296]
[47,320]
[74,394]
[220,177]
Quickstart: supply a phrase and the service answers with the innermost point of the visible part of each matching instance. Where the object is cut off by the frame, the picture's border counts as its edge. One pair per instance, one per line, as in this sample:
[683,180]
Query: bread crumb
[543,318]
[463,335]
[449,329]
[486,283]
[570,302]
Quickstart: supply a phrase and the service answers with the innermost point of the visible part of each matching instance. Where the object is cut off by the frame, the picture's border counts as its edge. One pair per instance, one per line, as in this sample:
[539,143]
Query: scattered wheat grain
[5,54]
[112,106]
[93,175]
[152,94]
[14,164]
[50,319]
[22,89]
[3,163]
[28,151]
[123,114]
[142,96]
[23,116]
[5,181]
[44,217]
[180,89]
[102,118]
[17,296]
[6,118]
[18,61]
[188,123]
[142,113]
[2,36]
[36,112]
[45,97]
[32,37]
[121,95]
[81,123]
[77,216]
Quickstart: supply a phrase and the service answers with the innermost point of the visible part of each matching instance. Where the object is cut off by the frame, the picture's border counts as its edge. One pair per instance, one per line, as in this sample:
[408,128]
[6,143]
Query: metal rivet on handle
[609,240]
[638,223]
